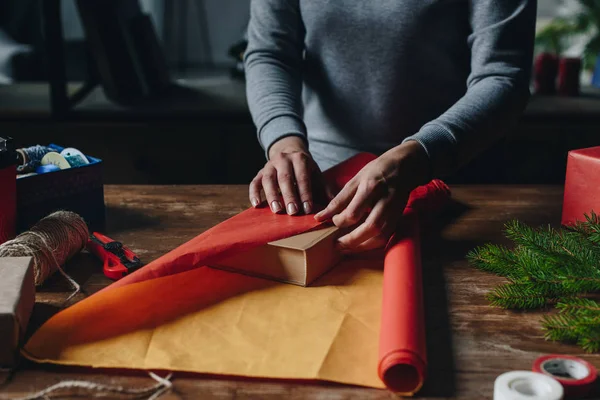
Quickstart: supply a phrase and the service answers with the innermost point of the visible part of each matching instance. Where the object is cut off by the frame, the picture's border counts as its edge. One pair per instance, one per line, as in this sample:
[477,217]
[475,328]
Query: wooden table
[469,343]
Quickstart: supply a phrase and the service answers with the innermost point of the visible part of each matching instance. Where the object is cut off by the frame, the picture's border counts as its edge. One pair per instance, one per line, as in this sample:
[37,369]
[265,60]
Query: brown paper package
[298,260]
[17,297]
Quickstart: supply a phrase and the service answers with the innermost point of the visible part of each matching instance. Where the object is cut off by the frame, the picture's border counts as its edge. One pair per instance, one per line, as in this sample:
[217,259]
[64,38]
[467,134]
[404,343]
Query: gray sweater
[352,76]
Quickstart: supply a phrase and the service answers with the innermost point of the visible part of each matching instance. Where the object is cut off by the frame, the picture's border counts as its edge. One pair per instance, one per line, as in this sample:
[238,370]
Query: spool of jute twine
[51,242]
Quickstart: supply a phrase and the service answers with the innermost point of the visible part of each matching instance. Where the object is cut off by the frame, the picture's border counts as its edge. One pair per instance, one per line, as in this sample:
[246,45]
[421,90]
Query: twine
[32,156]
[94,389]
[51,242]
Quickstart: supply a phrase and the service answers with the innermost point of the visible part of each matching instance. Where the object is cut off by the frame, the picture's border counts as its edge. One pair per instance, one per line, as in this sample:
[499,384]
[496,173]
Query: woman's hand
[288,176]
[375,198]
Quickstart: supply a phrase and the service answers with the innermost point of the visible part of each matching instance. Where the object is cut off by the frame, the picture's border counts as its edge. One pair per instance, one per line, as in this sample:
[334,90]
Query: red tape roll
[577,376]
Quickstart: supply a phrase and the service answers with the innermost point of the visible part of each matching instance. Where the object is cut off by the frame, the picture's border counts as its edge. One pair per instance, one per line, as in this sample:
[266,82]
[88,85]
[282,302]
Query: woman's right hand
[287,179]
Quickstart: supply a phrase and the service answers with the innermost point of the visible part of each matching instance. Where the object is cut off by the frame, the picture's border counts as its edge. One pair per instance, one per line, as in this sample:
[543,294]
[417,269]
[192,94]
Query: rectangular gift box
[298,260]
[582,185]
[17,297]
[79,189]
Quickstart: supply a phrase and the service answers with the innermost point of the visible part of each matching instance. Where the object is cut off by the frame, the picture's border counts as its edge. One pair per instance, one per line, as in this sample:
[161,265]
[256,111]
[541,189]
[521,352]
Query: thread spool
[30,157]
[51,242]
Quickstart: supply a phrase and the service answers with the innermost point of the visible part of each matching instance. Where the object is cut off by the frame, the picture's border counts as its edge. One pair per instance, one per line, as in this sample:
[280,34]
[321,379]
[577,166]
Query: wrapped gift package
[17,297]
[299,259]
[582,185]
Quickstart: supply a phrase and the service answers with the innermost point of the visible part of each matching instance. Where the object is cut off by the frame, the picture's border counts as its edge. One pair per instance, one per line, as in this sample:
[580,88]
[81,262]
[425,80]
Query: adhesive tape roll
[56,159]
[76,161]
[71,151]
[577,376]
[527,385]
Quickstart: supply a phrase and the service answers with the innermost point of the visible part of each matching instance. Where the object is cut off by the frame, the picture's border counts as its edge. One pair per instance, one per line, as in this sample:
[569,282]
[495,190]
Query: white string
[162,386]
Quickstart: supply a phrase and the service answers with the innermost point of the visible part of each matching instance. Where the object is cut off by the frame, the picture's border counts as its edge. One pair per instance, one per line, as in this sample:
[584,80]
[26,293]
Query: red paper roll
[8,202]
[402,350]
[569,70]
[577,376]
[402,347]
[545,73]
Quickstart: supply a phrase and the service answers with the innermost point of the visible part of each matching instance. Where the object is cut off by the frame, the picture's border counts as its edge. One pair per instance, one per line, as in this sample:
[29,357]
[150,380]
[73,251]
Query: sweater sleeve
[497,92]
[273,63]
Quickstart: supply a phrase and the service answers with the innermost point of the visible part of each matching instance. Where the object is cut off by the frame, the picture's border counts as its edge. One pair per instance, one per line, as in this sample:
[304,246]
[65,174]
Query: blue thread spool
[31,157]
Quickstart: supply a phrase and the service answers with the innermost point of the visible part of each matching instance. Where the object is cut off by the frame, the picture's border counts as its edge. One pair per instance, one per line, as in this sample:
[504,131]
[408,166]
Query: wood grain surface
[469,342]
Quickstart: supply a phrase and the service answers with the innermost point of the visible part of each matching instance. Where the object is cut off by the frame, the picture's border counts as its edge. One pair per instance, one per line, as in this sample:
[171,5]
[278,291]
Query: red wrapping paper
[239,233]
[582,191]
[402,342]
[8,202]
[402,348]
[545,73]
[569,71]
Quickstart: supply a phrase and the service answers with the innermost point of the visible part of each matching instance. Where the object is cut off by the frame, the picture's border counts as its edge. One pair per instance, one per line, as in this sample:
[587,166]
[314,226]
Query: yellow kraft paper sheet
[217,322]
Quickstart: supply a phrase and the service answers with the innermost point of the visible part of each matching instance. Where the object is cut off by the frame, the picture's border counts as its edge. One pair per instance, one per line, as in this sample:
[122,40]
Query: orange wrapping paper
[175,314]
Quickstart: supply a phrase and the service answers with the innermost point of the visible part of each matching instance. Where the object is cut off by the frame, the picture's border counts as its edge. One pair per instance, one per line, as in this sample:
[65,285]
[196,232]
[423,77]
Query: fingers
[302,172]
[270,187]
[375,225]
[254,190]
[377,228]
[338,203]
[355,211]
[376,242]
[285,179]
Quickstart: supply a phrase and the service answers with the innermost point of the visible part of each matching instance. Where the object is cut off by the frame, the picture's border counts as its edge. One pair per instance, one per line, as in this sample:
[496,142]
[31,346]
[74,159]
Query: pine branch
[495,259]
[585,331]
[518,296]
[550,266]
[560,328]
[575,306]
[591,342]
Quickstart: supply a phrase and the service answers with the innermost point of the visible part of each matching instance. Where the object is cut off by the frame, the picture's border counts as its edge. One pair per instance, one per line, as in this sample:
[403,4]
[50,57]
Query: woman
[425,84]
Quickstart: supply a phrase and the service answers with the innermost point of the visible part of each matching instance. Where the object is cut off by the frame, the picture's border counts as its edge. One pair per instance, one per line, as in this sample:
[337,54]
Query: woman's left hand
[374,200]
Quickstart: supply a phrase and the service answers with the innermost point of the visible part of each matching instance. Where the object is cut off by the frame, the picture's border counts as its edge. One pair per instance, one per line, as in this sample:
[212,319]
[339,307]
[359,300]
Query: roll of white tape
[527,385]
[70,152]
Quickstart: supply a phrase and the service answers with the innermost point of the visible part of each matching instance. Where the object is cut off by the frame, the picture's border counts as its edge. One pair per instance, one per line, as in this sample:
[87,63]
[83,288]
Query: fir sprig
[517,296]
[549,266]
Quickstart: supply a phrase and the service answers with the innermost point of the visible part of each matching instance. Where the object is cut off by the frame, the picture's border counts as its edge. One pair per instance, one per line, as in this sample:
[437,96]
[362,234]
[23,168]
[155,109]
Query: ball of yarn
[51,242]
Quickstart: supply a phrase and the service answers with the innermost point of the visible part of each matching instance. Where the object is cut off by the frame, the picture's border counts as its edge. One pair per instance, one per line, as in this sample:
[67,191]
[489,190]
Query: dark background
[207,136]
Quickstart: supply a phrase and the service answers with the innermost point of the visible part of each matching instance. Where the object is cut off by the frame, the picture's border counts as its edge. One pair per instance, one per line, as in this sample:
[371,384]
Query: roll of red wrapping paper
[569,71]
[8,202]
[402,348]
[576,376]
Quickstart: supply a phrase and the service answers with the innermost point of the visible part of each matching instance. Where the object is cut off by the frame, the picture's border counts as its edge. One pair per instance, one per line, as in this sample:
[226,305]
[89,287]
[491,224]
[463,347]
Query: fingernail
[292,209]
[275,206]
[254,201]
[306,207]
